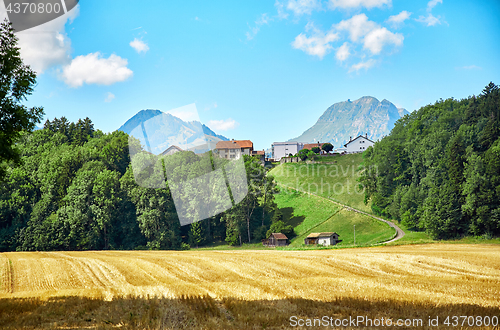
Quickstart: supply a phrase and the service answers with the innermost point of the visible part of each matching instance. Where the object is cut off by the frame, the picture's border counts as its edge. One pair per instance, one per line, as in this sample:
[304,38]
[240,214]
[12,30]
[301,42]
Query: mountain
[342,120]
[157,131]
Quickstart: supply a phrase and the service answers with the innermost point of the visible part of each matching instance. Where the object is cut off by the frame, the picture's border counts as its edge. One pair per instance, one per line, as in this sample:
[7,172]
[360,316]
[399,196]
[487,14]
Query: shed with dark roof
[276,239]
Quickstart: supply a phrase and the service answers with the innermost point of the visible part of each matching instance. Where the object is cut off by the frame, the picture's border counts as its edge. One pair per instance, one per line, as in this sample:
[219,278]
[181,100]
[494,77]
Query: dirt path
[399,232]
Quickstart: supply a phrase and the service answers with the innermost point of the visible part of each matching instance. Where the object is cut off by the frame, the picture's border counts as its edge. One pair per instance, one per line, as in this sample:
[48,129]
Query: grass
[317,214]
[336,181]
[368,230]
[308,211]
[248,289]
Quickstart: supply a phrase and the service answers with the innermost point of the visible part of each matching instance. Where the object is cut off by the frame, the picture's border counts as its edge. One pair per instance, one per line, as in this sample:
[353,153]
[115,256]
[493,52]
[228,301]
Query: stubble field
[246,289]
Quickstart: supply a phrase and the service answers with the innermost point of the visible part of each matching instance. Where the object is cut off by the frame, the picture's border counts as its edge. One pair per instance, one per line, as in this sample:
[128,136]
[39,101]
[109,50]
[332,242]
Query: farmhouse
[275,239]
[359,144]
[234,149]
[312,145]
[322,239]
[261,154]
[171,150]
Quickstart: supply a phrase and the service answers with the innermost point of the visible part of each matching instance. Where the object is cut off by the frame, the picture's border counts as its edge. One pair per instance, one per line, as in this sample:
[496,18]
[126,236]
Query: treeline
[439,169]
[75,190]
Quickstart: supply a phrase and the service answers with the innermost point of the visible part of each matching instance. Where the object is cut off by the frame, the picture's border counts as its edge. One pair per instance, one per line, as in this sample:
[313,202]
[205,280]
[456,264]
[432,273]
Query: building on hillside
[171,150]
[234,149]
[318,144]
[359,144]
[275,239]
[325,239]
[261,154]
[284,149]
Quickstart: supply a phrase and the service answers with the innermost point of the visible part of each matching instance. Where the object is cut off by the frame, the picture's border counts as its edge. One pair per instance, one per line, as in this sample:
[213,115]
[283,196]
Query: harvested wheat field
[250,289]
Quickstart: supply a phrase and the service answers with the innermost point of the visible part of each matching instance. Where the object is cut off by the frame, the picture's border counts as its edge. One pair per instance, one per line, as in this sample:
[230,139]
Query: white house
[325,239]
[359,144]
[283,149]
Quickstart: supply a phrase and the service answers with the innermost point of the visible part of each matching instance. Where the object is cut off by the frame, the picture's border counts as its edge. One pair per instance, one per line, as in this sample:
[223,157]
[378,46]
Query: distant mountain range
[158,131]
[343,120]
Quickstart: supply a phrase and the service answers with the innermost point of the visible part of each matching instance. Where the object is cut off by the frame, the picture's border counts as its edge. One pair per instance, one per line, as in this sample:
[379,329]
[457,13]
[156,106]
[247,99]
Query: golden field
[245,289]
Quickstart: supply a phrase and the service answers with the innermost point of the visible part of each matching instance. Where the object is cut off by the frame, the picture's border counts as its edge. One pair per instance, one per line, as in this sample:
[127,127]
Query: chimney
[366,135]
[350,138]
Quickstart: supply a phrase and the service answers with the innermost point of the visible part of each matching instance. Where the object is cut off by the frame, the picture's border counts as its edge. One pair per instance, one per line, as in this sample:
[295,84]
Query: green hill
[309,213]
[337,181]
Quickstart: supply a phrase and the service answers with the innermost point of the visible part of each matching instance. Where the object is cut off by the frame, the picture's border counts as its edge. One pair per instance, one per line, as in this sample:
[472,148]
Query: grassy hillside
[368,230]
[336,181]
[245,289]
[314,214]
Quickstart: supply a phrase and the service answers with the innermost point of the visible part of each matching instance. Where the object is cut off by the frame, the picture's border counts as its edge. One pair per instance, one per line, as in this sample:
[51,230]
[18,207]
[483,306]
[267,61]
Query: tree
[327,147]
[16,82]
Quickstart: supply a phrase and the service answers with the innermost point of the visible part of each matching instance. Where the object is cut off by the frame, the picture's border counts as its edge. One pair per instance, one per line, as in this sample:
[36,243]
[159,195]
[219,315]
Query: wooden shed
[275,239]
[322,239]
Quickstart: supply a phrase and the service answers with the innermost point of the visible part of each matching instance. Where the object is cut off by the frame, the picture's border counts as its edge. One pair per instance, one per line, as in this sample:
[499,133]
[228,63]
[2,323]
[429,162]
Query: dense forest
[439,169]
[74,189]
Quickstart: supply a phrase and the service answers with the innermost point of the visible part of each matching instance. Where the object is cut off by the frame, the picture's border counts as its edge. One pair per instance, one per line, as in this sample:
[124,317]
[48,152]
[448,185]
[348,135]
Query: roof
[172,149]
[312,145]
[318,235]
[288,143]
[227,145]
[245,143]
[258,152]
[279,236]
[359,136]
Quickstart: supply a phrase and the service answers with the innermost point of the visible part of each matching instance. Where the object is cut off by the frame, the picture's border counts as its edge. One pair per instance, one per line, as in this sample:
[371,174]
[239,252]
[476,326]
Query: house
[171,150]
[340,150]
[359,144]
[275,239]
[284,149]
[312,145]
[234,149]
[261,154]
[322,239]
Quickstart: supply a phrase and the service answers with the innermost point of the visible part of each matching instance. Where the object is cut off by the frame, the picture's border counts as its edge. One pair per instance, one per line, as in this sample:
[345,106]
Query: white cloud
[109,97]
[263,19]
[357,26]
[139,45]
[378,38]
[93,69]
[359,3]
[363,65]
[429,20]
[281,11]
[47,45]
[433,4]
[343,52]
[223,125]
[319,44]
[300,7]
[397,20]
[470,67]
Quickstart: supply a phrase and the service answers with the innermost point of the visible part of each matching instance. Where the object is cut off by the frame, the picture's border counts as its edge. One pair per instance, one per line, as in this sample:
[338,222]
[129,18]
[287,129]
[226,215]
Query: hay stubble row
[438,273]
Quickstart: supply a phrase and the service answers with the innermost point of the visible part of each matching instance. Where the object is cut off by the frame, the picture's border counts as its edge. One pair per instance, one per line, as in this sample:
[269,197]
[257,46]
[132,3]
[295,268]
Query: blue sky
[258,70]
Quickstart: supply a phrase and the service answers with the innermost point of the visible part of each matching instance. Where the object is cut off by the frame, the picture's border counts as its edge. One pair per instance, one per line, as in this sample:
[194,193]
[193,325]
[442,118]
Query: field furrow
[439,273]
